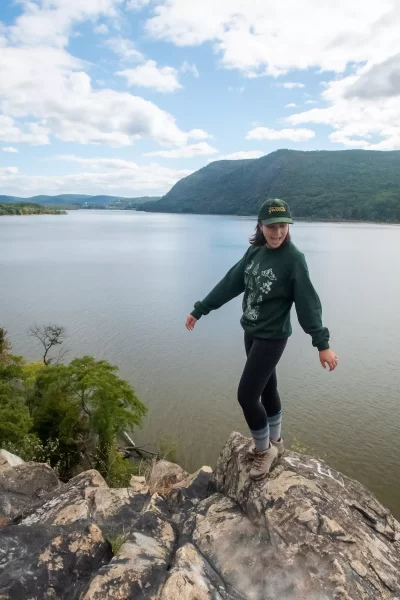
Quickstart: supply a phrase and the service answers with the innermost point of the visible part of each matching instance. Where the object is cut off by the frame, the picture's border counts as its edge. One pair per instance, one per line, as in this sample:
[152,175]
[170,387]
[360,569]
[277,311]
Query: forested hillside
[349,184]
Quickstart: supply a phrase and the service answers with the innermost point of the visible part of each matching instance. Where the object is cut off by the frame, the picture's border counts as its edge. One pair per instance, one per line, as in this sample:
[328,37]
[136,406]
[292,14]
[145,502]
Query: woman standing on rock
[273,275]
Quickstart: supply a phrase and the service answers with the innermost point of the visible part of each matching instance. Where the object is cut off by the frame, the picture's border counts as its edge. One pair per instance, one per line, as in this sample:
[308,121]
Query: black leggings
[259,380]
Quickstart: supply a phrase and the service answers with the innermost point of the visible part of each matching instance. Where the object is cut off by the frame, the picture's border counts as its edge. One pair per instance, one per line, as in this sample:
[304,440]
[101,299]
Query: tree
[30,376]
[58,423]
[86,405]
[50,336]
[68,415]
[5,346]
[15,422]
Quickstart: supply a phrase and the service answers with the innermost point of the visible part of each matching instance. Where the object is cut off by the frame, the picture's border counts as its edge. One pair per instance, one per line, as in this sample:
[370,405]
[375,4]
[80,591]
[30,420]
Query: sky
[126,97]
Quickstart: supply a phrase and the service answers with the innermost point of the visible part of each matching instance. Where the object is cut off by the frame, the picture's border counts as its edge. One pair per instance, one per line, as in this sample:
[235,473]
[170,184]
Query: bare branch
[129,450]
[49,336]
[130,440]
[83,405]
[60,356]
[5,345]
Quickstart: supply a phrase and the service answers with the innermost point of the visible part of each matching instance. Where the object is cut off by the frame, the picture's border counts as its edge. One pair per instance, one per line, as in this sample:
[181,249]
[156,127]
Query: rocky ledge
[305,533]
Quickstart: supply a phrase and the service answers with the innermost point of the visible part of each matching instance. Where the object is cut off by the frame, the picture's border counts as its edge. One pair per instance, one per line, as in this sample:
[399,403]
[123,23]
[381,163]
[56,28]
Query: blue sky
[127,96]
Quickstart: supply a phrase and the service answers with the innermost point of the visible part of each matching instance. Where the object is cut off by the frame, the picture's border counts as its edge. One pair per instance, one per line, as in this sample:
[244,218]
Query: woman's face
[275,234]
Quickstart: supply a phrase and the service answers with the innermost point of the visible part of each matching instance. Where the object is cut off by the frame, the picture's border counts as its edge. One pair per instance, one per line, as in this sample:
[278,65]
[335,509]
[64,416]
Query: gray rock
[42,561]
[23,485]
[8,460]
[305,533]
[138,569]
[73,503]
[196,485]
[191,577]
[312,514]
[164,475]
[139,485]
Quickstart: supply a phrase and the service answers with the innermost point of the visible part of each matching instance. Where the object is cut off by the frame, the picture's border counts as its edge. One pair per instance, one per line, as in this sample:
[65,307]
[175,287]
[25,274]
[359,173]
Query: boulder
[46,561]
[318,518]
[139,565]
[306,532]
[191,577]
[8,460]
[72,503]
[23,485]
[164,475]
[139,484]
[196,485]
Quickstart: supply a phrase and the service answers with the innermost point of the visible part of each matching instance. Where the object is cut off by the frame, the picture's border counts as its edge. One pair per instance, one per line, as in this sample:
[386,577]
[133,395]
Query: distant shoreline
[57,214]
[296,219]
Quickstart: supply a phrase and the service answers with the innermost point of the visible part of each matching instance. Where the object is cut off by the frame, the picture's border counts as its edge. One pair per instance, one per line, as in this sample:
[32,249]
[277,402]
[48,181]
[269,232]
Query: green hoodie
[272,280]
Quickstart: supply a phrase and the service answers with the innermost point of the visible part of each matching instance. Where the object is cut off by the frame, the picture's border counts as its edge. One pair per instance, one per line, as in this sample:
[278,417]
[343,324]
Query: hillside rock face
[305,533]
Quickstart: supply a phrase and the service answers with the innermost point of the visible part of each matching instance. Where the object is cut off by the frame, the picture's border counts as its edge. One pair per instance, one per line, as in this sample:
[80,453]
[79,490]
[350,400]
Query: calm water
[122,284]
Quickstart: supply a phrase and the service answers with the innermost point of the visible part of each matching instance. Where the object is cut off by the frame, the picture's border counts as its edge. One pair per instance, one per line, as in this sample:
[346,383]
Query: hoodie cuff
[323,346]
[196,313]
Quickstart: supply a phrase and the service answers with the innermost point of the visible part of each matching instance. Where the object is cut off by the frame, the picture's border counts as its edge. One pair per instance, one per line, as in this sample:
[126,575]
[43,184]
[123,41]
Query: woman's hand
[329,359]
[190,322]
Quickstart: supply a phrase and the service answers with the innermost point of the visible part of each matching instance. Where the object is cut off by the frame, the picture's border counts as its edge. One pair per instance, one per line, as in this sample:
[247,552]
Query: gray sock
[275,425]
[261,438]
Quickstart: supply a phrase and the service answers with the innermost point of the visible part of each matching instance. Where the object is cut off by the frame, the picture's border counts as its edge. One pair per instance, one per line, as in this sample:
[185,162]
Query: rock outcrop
[305,533]
[8,460]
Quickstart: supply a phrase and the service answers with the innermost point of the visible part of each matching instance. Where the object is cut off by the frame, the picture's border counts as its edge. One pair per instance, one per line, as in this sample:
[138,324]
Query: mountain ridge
[323,184]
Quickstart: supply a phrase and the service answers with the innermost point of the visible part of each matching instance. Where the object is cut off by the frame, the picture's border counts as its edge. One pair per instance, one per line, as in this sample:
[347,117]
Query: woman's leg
[262,358]
[272,404]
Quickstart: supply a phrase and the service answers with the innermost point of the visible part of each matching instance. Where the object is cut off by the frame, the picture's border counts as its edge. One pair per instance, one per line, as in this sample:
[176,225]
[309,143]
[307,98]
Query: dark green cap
[274,211]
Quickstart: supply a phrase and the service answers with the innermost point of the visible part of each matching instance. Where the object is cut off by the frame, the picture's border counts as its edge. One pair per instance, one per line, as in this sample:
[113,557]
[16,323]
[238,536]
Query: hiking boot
[278,444]
[262,463]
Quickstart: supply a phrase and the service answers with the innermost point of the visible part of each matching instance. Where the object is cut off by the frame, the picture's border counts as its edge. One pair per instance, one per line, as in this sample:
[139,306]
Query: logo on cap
[277,209]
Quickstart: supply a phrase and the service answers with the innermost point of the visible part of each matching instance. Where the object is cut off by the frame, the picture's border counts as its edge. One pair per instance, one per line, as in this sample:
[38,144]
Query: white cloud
[101,29]
[103,175]
[258,38]
[188,68]
[9,149]
[189,151]
[47,85]
[50,23]
[356,120]
[45,91]
[149,75]
[294,135]
[124,49]
[363,109]
[291,105]
[4,171]
[199,134]
[242,154]
[290,85]
[9,132]
[340,137]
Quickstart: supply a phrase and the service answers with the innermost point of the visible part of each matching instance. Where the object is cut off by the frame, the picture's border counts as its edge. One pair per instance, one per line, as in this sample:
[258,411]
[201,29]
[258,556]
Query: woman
[273,275]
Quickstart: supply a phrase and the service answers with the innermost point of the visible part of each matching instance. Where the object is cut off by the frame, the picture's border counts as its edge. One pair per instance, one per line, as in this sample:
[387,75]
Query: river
[123,282]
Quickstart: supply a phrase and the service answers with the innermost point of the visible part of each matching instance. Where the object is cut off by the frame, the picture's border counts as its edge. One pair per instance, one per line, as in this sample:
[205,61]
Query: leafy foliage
[68,415]
[15,422]
[28,208]
[332,185]
[74,201]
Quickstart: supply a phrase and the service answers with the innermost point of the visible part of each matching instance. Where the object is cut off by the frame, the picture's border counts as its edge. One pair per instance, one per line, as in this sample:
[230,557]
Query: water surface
[122,284]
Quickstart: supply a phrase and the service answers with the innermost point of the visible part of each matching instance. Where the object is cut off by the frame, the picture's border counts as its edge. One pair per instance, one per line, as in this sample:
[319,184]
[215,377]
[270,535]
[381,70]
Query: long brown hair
[258,239]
